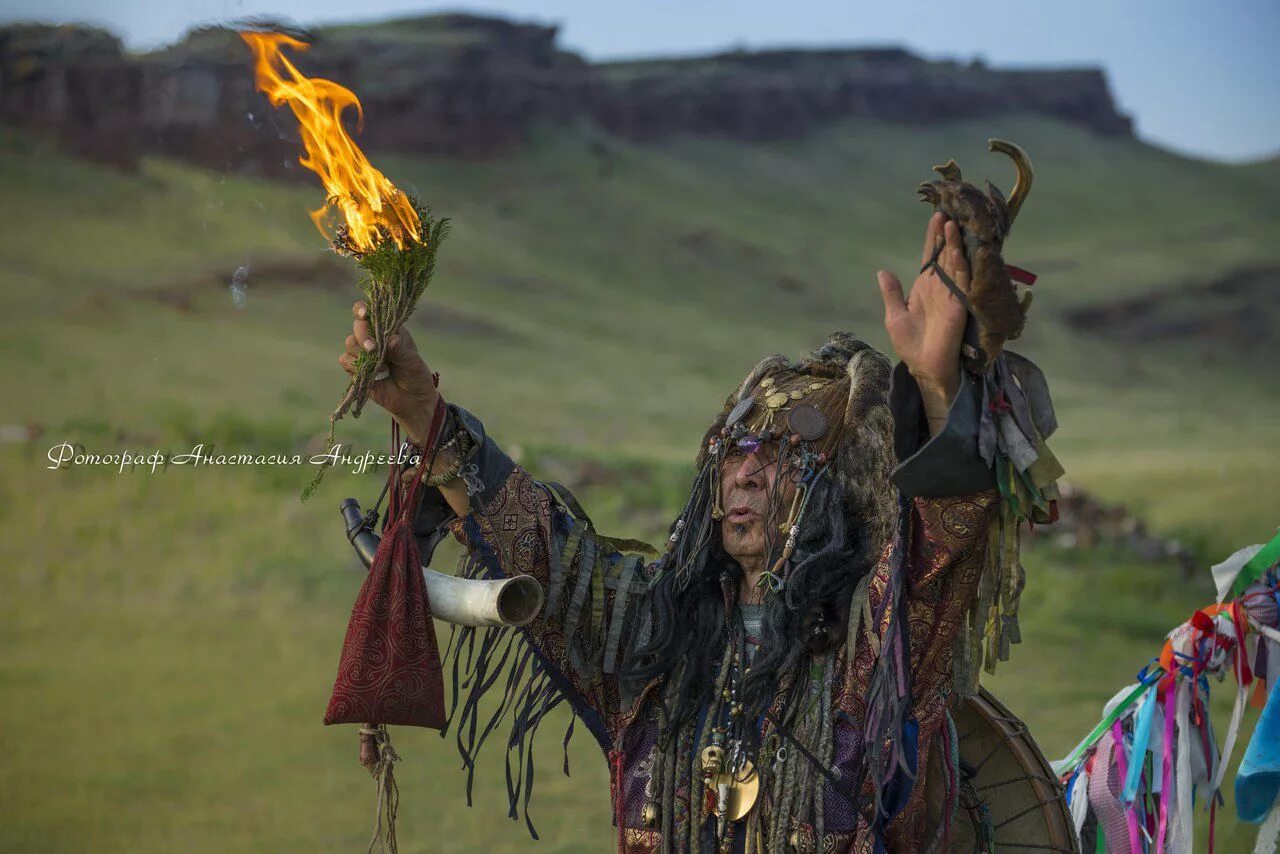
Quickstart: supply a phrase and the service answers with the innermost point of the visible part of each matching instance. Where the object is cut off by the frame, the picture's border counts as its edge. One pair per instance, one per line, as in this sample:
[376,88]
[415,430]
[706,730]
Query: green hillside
[171,638]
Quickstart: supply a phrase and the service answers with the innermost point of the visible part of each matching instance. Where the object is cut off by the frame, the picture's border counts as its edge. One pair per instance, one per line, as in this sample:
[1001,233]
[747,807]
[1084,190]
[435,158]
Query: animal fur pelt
[984,220]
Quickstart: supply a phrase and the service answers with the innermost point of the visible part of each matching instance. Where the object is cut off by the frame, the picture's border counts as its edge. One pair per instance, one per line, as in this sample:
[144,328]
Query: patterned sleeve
[955,507]
[593,586]
[945,562]
[945,558]
[964,567]
[959,571]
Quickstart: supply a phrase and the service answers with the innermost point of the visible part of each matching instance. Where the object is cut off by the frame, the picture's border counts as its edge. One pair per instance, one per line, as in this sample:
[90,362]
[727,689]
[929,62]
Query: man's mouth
[741,514]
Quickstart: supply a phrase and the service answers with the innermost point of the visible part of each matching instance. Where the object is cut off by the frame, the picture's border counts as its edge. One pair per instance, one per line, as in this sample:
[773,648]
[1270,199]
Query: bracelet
[462,440]
[448,431]
[447,475]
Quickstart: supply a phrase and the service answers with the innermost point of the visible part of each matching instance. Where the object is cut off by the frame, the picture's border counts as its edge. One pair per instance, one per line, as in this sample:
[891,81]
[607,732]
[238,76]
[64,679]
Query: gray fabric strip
[619,616]
[558,581]
[1031,378]
[586,564]
[987,425]
[1014,444]
[1018,406]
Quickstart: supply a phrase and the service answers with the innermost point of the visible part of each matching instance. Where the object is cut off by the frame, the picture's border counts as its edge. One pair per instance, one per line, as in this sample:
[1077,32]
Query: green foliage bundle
[395,278]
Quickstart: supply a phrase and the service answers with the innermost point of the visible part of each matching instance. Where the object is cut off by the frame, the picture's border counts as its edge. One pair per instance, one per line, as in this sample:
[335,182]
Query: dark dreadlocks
[808,615]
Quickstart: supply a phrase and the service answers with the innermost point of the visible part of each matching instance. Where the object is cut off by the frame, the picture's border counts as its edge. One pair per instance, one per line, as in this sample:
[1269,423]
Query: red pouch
[390,670]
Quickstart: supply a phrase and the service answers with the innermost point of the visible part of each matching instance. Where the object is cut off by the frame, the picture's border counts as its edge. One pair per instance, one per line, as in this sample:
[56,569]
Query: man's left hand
[927,328]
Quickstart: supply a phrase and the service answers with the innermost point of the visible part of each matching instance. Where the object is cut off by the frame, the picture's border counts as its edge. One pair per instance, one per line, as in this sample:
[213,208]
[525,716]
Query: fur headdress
[847,381]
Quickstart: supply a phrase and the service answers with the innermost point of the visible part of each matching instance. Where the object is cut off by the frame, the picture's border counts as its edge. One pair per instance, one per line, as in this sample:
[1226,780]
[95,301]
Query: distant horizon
[1180,73]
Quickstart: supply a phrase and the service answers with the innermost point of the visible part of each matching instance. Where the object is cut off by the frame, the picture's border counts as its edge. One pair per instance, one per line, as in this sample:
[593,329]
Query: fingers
[932,235]
[350,352]
[895,305]
[956,265]
[360,327]
[401,349]
[952,233]
[400,353]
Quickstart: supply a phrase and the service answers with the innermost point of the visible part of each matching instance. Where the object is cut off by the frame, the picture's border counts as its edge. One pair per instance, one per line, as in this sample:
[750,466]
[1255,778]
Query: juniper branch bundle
[395,278]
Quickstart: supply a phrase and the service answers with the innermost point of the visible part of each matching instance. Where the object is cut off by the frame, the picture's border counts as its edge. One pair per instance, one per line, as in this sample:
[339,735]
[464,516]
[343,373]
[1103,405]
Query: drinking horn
[511,601]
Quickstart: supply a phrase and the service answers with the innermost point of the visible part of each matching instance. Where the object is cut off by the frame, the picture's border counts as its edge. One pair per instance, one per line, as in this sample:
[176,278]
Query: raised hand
[927,327]
[408,392]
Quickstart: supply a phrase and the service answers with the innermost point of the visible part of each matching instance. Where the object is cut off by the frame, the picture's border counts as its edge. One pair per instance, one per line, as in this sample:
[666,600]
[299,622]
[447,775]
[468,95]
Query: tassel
[713,486]
[388,797]
[889,757]
[859,616]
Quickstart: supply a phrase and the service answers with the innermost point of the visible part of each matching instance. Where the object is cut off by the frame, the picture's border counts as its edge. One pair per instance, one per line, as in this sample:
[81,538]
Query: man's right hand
[408,393]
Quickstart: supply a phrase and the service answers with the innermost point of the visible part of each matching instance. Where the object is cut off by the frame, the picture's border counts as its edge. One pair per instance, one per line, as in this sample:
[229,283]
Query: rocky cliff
[472,86]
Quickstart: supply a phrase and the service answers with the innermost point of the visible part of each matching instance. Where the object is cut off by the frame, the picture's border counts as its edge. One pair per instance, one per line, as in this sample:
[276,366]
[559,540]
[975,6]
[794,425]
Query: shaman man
[778,679]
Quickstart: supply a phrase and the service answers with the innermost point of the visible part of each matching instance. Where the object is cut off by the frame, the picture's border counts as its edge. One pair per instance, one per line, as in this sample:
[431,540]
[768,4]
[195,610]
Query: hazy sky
[1199,77]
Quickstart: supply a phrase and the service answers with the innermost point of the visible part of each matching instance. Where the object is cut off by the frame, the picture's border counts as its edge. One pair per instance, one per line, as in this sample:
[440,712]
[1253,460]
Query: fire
[370,204]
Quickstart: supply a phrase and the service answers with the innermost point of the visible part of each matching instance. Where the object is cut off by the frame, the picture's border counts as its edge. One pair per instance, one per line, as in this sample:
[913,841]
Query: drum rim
[1032,761]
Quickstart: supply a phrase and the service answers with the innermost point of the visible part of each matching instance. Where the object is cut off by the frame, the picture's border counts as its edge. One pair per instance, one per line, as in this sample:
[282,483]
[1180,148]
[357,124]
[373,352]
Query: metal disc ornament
[808,421]
[740,411]
[744,790]
[777,399]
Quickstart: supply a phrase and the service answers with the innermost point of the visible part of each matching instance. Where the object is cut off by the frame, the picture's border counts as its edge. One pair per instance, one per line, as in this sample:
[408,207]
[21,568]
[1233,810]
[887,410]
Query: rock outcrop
[473,86]
[1230,318]
[1086,523]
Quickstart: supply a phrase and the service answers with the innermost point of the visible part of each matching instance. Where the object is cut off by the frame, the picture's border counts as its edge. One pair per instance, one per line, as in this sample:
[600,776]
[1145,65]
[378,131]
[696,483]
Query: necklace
[729,777]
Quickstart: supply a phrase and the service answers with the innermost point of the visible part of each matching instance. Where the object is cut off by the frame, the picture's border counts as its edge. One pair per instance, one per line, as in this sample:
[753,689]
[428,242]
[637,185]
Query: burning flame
[370,204]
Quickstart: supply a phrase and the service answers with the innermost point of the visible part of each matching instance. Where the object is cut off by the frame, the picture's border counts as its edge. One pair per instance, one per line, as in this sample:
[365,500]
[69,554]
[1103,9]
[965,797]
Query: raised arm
[954,504]
[962,574]
[517,525]
[408,392]
[512,524]
[969,488]
[952,489]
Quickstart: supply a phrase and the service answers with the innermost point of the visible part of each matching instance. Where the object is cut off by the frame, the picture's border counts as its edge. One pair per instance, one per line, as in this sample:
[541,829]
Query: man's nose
[750,473]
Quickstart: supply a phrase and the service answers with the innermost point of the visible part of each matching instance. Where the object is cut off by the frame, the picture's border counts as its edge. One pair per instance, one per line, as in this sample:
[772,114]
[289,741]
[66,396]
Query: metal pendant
[744,789]
[808,421]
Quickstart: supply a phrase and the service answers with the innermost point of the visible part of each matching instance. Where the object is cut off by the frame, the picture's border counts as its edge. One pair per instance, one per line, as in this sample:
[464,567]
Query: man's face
[747,484]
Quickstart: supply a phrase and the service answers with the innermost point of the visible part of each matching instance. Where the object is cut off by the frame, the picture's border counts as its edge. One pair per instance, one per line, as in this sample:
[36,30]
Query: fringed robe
[596,608]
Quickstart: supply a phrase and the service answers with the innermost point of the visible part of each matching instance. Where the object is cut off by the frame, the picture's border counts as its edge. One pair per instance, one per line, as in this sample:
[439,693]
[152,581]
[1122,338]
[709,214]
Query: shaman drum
[1010,799]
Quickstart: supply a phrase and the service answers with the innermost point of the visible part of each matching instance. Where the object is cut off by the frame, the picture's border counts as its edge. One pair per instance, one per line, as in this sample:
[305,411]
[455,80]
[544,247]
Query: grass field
[170,639]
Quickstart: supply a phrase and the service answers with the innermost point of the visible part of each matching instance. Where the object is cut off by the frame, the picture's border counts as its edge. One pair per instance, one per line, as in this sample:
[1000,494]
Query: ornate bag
[389,672]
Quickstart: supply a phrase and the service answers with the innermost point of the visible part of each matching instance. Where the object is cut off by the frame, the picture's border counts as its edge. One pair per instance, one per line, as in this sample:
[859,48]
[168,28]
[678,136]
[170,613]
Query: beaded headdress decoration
[829,415]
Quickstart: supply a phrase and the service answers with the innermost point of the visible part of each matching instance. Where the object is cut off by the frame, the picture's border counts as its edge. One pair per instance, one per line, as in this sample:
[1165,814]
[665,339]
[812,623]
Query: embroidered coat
[596,606]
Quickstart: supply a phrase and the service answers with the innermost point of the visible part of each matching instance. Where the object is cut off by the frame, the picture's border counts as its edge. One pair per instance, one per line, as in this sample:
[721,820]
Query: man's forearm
[417,425]
[937,399]
[454,491]
[456,495]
